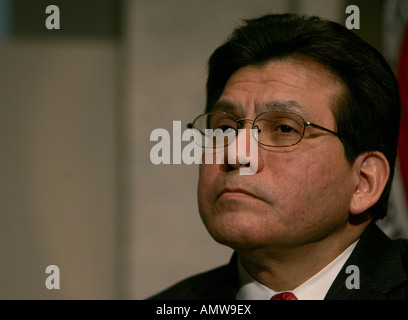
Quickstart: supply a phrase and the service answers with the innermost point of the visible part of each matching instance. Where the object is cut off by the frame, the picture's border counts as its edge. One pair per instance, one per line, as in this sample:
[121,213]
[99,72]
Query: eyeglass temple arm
[321,128]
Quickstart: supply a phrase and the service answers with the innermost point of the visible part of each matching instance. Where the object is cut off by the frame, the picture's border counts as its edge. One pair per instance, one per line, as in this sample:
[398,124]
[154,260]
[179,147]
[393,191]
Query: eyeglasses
[273,128]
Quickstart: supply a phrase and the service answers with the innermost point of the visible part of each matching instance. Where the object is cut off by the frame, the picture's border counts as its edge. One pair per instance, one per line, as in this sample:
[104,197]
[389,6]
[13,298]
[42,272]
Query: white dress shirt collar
[315,288]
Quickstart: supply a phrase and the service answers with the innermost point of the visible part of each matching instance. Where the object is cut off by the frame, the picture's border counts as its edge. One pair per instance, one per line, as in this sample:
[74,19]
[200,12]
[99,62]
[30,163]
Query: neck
[284,269]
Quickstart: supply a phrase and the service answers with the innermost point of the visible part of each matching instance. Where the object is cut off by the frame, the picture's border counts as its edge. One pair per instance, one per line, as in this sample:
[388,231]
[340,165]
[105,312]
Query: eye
[286,129]
[279,128]
[224,124]
[226,128]
[285,126]
[224,131]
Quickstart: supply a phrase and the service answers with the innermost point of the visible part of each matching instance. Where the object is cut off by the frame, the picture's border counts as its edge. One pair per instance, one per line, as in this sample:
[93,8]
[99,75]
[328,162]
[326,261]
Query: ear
[372,172]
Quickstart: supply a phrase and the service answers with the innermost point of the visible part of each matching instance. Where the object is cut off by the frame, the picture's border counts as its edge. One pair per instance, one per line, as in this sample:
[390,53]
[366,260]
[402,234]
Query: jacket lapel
[219,284]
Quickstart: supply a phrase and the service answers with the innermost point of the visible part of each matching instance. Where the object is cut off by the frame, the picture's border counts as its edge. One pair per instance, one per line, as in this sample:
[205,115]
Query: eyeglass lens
[274,128]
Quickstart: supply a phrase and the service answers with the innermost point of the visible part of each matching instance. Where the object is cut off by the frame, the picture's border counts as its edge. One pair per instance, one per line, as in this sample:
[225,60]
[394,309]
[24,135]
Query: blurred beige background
[78,189]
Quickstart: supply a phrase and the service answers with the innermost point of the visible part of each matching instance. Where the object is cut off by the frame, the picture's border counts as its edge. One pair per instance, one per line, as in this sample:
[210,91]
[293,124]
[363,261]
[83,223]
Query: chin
[241,242]
[240,231]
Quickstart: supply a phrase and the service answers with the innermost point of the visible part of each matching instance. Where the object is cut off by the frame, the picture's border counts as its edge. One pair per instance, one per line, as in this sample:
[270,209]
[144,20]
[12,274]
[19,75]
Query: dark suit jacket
[382,263]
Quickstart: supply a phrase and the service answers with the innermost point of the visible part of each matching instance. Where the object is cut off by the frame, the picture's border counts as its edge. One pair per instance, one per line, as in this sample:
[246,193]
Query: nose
[243,154]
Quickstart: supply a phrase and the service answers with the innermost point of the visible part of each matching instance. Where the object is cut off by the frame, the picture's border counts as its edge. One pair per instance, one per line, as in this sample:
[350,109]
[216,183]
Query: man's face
[299,194]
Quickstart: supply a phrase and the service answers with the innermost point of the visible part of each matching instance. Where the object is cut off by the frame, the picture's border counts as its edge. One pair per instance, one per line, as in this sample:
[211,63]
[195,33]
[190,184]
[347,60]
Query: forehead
[303,87]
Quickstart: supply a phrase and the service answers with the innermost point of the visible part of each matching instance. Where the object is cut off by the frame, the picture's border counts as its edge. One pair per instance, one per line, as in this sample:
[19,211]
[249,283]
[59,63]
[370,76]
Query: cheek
[206,198]
[202,184]
[206,185]
[312,185]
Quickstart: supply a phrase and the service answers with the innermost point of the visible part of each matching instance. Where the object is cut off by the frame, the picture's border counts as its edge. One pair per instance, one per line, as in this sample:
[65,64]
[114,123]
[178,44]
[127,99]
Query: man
[325,108]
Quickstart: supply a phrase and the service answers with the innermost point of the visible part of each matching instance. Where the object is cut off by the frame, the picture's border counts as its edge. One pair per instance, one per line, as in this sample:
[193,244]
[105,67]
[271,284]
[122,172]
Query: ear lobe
[373,171]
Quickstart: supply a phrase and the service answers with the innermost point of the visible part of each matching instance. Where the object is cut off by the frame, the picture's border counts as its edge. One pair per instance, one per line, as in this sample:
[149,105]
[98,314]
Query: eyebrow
[224,106]
[287,106]
[277,105]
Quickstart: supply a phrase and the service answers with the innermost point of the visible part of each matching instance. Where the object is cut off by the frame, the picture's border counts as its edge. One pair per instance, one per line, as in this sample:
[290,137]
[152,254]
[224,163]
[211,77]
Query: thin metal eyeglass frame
[305,124]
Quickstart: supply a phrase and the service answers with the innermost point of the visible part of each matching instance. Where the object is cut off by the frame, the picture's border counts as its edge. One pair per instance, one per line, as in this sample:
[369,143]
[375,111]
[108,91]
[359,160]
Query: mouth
[231,193]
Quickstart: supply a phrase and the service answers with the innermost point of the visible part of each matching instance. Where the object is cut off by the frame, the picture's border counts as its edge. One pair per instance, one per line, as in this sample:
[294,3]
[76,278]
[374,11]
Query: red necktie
[284,296]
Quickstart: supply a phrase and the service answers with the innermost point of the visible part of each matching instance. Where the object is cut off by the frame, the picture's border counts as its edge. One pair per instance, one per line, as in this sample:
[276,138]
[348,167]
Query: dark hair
[367,114]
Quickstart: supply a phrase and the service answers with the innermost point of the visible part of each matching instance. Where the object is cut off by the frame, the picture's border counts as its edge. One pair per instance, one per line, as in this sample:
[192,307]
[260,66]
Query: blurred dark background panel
[92,18]
[5,18]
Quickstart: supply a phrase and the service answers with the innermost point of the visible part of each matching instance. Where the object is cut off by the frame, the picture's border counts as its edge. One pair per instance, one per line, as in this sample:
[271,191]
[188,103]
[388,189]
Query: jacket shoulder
[382,265]
[402,244]
[219,284]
